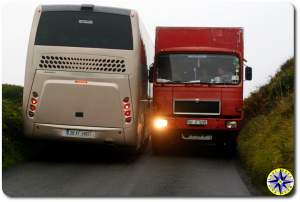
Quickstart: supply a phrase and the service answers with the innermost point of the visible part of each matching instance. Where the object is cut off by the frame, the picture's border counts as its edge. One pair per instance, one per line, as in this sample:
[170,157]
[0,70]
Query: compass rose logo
[280,181]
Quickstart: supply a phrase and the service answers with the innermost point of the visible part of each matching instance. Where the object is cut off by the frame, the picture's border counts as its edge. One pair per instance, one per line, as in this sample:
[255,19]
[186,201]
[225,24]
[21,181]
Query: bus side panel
[30,71]
[139,89]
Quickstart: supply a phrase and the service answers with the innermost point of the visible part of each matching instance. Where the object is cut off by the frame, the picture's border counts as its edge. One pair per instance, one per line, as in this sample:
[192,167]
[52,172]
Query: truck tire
[228,146]
[158,145]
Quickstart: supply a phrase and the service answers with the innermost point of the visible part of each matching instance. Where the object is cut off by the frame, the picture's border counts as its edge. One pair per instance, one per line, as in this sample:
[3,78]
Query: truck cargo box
[197,37]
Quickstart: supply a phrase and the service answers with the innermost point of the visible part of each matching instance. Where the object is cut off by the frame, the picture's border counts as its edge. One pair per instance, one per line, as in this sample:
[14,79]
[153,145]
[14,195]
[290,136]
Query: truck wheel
[227,146]
[230,145]
[158,145]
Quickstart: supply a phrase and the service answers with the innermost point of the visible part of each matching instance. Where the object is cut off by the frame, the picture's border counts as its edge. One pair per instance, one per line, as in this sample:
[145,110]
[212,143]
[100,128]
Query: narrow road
[91,171]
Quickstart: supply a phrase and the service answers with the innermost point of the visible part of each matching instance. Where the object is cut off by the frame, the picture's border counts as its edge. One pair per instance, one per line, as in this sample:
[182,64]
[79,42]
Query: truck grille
[79,63]
[197,107]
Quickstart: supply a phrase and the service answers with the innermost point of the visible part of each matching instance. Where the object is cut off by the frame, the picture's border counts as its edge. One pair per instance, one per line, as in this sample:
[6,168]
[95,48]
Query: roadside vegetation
[266,141]
[13,142]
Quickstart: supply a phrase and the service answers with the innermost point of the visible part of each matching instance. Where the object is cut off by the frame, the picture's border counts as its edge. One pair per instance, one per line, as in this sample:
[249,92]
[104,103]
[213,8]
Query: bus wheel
[132,151]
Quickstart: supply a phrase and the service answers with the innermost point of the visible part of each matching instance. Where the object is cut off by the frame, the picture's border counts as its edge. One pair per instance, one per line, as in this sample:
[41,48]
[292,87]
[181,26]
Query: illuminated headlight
[231,124]
[160,123]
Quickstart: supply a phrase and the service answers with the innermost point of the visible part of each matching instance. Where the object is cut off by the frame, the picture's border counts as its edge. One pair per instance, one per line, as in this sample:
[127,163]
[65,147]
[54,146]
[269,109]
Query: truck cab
[197,79]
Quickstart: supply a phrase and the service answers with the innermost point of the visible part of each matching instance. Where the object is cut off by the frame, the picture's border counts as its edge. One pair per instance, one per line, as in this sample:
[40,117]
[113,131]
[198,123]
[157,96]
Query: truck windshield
[198,68]
[84,29]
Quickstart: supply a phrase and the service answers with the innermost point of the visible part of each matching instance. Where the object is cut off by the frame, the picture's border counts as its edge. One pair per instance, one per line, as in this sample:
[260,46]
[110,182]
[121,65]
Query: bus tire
[132,151]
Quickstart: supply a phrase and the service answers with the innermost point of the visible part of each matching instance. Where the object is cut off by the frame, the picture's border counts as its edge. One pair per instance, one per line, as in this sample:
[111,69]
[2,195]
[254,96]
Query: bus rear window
[84,29]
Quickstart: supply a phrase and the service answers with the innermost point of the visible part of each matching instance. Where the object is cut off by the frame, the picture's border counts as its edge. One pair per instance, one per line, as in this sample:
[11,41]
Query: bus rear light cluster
[33,103]
[127,109]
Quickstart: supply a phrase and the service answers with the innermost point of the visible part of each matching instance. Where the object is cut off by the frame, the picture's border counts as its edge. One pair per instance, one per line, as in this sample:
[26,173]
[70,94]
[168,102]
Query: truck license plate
[196,122]
[79,133]
[196,137]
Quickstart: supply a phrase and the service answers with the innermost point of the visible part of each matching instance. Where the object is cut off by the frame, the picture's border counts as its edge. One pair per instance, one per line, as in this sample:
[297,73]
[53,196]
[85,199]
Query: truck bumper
[212,124]
[177,128]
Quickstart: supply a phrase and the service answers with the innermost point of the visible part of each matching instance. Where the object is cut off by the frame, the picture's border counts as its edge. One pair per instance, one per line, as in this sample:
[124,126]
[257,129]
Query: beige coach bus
[86,76]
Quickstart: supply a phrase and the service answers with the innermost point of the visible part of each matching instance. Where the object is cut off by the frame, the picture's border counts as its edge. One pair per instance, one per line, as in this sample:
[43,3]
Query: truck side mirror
[150,75]
[248,73]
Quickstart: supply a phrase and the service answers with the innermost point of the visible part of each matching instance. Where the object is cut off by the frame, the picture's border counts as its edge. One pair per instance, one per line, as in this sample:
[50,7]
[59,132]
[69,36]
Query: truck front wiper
[179,82]
[174,82]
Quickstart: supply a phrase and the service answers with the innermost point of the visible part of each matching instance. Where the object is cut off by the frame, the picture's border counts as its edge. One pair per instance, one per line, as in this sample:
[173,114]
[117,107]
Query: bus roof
[86,8]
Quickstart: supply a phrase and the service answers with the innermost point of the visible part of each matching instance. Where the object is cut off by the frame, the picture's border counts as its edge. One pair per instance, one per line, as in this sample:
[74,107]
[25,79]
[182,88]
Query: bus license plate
[196,122]
[79,133]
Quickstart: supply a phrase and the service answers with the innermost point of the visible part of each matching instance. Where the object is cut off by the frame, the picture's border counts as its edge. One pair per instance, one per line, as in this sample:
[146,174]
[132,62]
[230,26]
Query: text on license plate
[196,122]
[196,137]
[79,133]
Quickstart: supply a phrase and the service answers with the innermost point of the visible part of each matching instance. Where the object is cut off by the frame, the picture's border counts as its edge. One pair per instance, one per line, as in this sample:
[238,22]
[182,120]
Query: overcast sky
[268,29]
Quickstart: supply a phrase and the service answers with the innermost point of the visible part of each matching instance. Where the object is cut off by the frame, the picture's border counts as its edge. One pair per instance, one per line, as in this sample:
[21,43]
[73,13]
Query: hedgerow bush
[13,142]
[266,141]
[265,98]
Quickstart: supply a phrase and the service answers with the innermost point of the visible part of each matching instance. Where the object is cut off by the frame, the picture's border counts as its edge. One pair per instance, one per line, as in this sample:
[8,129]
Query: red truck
[197,78]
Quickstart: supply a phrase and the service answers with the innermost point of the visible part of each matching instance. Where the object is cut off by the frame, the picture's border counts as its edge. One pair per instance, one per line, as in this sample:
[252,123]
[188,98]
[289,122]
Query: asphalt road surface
[62,170]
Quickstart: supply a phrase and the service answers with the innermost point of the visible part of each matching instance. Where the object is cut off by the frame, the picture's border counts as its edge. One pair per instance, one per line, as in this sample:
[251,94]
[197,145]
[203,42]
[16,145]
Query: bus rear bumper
[78,133]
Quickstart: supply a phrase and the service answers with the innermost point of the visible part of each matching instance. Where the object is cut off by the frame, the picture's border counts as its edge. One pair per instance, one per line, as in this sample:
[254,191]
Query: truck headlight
[231,124]
[160,123]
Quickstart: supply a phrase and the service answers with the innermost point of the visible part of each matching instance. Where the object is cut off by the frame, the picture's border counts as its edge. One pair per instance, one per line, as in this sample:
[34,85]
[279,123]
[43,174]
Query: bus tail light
[127,110]
[128,119]
[33,103]
[127,113]
[126,106]
[35,94]
[31,114]
[126,99]
[32,108]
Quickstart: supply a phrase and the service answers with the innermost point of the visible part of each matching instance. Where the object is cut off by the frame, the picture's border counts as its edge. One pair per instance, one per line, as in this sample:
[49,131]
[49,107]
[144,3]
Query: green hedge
[266,97]
[266,141]
[13,142]
[13,93]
